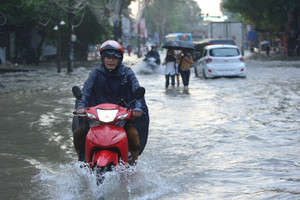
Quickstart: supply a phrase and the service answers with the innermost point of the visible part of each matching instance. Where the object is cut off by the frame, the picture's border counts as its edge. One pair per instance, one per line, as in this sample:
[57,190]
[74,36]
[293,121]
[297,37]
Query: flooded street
[226,138]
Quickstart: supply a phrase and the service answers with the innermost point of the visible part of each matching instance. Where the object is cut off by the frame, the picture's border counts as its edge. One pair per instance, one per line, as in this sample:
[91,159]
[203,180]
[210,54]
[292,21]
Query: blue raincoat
[105,87]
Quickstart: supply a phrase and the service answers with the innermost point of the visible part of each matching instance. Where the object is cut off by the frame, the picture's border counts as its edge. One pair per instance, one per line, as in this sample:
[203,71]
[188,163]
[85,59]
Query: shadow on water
[174,92]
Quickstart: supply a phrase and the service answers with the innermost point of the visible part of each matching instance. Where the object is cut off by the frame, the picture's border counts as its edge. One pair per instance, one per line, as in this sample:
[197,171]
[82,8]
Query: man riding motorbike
[154,54]
[113,82]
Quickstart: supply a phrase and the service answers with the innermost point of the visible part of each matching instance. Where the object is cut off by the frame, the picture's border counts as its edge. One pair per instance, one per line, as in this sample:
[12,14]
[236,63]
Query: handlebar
[78,115]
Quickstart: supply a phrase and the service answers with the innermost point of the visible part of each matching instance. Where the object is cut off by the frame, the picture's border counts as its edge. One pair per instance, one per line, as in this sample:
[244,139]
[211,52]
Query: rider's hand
[80,111]
[136,113]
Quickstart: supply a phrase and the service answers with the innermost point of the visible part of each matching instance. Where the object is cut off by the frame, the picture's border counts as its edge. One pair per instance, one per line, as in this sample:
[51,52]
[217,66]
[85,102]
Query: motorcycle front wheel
[100,171]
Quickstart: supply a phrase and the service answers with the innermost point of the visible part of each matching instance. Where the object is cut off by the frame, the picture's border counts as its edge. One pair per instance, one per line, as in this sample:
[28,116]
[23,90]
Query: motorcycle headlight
[107,115]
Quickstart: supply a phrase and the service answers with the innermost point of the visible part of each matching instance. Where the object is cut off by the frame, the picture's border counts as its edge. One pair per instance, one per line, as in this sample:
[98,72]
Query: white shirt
[170,68]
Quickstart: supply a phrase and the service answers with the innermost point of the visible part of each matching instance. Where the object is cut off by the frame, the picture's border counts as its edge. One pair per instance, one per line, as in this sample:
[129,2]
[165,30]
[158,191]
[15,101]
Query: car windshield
[224,52]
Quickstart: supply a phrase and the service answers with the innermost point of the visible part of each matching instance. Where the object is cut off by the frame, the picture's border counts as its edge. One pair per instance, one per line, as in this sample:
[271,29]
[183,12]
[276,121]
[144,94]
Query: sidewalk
[272,57]
[46,66]
[128,61]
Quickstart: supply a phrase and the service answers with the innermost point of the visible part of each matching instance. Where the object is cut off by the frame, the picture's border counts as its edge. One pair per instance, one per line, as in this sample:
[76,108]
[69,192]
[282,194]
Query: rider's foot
[135,156]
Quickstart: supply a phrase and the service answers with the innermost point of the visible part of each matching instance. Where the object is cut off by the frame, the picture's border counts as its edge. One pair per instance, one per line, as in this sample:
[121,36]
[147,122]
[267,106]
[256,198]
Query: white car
[221,61]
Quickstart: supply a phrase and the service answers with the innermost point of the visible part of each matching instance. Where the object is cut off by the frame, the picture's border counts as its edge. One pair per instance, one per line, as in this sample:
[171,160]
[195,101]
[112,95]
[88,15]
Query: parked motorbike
[106,143]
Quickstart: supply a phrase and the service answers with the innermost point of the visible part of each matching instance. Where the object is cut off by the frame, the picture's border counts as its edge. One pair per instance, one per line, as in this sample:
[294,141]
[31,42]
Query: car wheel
[196,72]
[203,72]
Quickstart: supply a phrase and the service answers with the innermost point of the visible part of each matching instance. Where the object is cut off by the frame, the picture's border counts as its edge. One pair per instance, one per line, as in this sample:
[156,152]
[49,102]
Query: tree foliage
[23,13]
[89,28]
[95,20]
[166,16]
[264,14]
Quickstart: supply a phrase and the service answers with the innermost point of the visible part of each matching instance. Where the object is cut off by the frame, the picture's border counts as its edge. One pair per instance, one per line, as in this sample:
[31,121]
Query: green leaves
[265,14]
[22,13]
[166,16]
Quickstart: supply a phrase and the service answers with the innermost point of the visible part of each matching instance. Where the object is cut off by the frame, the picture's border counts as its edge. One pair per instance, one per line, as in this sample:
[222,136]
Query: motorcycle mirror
[76,92]
[139,93]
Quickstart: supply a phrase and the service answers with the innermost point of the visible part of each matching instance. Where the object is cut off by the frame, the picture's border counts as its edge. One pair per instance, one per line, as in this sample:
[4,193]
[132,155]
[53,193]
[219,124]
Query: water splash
[72,181]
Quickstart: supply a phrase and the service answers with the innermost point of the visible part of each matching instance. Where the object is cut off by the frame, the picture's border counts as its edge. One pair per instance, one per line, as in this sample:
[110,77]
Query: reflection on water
[220,139]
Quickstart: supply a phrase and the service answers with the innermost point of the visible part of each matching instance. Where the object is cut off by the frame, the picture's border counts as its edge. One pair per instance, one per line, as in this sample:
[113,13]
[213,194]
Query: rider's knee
[78,137]
[133,138]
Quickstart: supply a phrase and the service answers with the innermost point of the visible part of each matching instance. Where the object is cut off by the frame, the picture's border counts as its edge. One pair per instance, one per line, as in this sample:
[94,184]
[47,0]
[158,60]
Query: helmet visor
[112,53]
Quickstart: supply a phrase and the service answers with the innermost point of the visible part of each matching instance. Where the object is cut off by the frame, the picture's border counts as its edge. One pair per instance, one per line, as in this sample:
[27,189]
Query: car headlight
[107,115]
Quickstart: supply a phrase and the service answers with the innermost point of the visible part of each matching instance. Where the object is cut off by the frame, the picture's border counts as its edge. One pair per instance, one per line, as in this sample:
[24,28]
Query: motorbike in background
[151,63]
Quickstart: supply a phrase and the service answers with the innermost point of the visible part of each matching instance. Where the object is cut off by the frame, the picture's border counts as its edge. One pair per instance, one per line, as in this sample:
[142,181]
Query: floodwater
[226,138]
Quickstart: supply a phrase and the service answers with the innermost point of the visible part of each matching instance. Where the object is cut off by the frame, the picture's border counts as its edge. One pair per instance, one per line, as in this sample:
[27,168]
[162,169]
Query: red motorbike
[106,143]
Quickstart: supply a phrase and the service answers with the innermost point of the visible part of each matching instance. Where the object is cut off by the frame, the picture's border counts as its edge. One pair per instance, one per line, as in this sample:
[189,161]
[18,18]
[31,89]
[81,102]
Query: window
[187,37]
[171,38]
[221,42]
[184,37]
[224,52]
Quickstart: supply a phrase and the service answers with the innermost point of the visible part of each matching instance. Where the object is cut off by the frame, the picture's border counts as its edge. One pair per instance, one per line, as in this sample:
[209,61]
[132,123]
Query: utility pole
[71,36]
[58,48]
[118,26]
[139,54]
